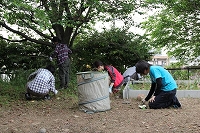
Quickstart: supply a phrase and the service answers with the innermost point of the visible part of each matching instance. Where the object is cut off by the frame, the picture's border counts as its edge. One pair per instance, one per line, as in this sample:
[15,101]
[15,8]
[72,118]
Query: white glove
[50,58]
[110,89]
[56,92]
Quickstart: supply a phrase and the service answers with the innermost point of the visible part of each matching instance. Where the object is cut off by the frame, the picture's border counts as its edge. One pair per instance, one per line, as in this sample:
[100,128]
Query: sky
[136,17]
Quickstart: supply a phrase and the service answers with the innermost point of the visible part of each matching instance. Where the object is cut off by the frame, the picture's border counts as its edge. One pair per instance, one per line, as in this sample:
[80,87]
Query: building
[162,60]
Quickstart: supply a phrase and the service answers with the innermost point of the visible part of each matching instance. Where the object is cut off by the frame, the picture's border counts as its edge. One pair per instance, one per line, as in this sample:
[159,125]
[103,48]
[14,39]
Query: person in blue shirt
[162,93]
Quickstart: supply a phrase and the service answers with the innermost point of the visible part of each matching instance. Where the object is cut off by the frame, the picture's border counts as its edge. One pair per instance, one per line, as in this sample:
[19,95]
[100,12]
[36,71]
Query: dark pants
[64,73]
[164,100]
[35,94]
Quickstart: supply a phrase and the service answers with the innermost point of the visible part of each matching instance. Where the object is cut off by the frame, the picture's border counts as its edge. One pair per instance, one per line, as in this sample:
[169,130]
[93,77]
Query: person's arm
[52,85]
[158,86]
[32,76]
[112,75]
[69,51]
[55,52]
[153,86]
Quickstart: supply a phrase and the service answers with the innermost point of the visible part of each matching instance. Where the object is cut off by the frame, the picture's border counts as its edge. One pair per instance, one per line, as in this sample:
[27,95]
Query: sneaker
[176,103]
[47,97]
[176,106]
[28,96]
[142,106]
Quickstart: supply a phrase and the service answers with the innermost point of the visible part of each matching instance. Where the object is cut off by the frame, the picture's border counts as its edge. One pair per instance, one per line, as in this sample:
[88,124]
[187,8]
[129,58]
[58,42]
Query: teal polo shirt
[168,82]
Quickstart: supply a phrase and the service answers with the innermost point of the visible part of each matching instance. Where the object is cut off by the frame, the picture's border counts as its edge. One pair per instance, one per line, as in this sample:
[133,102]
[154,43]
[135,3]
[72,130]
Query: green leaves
[116,46]
[176,27]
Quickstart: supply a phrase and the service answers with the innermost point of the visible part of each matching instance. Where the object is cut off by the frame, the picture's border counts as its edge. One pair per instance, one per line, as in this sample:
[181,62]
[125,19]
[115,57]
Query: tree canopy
[33,19]
[176,27]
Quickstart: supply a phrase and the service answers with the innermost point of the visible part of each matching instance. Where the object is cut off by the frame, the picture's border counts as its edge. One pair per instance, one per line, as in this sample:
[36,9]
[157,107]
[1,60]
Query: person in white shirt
[41,83]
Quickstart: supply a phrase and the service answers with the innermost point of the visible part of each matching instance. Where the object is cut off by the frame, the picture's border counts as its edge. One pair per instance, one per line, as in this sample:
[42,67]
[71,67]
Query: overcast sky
[137,19]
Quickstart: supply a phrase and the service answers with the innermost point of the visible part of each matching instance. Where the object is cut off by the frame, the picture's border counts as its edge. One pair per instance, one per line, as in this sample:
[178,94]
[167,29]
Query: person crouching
[41,83]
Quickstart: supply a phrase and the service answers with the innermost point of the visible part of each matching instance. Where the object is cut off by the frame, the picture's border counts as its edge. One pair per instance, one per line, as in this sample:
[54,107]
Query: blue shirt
[168,82]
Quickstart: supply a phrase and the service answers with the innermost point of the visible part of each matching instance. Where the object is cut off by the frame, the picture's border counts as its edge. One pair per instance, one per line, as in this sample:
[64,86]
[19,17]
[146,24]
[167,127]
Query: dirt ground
[60,115]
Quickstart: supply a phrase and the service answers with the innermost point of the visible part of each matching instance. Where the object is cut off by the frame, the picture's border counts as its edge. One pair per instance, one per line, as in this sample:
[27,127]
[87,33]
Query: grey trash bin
[93,91]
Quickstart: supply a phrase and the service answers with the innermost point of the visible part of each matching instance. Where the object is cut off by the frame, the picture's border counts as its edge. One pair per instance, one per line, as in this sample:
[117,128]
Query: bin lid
[89,72]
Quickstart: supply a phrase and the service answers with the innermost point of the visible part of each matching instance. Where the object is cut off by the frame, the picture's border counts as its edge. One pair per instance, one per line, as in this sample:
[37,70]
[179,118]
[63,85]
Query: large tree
[176,27]
[38,20]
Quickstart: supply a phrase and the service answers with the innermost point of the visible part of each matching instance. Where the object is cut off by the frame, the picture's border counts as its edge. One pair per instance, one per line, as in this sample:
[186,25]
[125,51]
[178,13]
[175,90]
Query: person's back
[130,73]
[116,79]
[116,75]
[168,81]
[62,52]
[41,81]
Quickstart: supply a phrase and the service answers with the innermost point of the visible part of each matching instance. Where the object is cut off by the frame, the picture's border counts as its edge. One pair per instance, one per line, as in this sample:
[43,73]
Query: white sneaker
[142,106]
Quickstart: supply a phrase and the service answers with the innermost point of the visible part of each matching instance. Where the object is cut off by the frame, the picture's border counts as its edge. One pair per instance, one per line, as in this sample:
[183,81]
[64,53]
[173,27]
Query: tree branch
[37,31]
[24,35]
[23,40]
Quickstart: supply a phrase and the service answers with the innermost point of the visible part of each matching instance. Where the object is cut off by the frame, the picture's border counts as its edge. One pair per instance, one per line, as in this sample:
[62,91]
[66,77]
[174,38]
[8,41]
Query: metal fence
[187,78]
[186,73]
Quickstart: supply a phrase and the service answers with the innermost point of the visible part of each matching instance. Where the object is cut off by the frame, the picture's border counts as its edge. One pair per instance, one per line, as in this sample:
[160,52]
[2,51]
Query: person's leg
[31,93]
[67,71]
[27,94]
[35,93]
[163,100]
[62,75]
[176,103]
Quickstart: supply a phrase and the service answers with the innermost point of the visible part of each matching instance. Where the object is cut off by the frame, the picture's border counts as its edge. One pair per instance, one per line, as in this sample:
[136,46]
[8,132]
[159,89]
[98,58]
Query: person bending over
[116,79]
[41,83]
[162,93]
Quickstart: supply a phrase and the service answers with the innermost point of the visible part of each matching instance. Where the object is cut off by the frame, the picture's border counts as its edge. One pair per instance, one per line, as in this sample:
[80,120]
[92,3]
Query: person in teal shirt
[162,93]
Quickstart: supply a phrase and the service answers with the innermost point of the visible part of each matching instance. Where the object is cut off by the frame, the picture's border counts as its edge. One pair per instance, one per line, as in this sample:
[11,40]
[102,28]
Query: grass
[181,86]
[12,93]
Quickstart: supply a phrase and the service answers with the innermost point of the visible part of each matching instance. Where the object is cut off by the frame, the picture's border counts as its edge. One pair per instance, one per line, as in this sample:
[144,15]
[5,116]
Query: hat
[55,39]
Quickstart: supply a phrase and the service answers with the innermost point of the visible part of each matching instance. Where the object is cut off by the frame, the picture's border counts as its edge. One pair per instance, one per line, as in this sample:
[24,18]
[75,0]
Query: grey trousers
[64,70]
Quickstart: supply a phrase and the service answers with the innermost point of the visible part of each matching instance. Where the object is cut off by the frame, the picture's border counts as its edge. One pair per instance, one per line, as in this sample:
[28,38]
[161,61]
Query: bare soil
[62,115]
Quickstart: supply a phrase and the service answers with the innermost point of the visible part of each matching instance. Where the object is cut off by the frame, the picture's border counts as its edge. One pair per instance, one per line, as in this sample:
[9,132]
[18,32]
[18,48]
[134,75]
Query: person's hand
[50,58]
[152,99]
[110,90]
[56,92]
[143,101]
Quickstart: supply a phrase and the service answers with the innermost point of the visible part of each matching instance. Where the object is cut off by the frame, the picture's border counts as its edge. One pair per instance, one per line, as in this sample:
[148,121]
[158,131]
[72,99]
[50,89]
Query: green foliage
[179,75]
[24,56]
[66,18]
[116,46]
[176,27]
[183,73]
[14,91]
